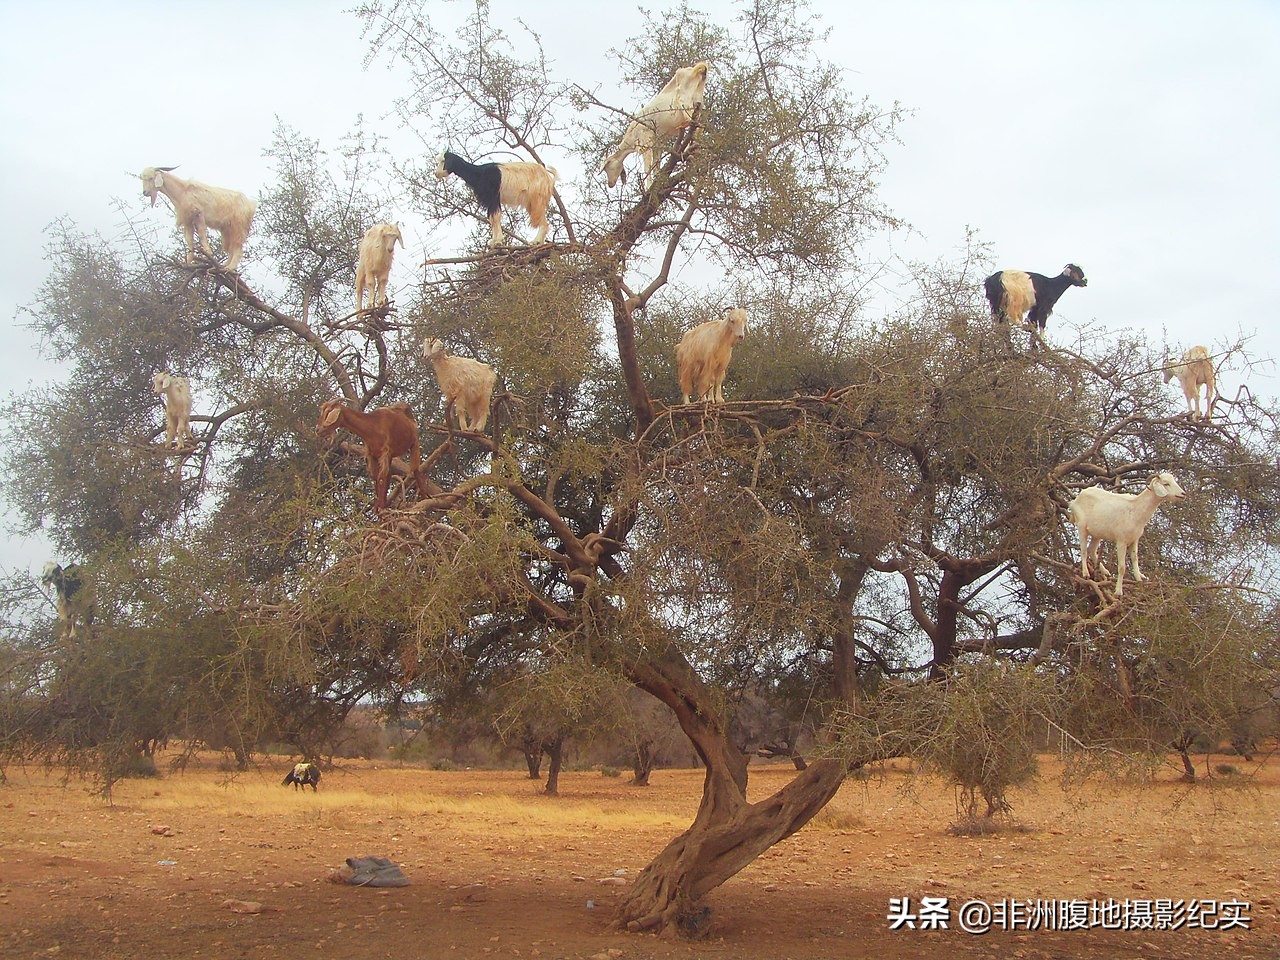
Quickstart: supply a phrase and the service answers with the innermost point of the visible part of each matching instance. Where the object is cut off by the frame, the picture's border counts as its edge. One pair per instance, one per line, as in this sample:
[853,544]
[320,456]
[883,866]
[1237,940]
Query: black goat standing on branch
[1015,293]
[497,185]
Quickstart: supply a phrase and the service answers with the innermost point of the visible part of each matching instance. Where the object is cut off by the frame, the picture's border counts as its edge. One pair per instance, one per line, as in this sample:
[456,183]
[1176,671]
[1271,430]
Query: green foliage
[980,729]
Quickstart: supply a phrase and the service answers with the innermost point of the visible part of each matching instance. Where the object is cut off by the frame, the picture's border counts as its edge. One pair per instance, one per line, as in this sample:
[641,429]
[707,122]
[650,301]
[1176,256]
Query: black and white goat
[74,595]
[497,185]
[1014,294]
[303,775]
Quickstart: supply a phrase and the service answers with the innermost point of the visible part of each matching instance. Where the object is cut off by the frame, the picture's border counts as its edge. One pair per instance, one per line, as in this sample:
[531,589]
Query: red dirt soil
[498,870]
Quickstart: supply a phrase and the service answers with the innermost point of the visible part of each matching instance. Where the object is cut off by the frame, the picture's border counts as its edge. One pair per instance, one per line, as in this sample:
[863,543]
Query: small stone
[242,906]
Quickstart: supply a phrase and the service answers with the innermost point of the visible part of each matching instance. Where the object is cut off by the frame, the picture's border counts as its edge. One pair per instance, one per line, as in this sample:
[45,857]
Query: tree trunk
[532,750]
[1183,746]
[728,832]
[956,575]
[642,763]
[555,754]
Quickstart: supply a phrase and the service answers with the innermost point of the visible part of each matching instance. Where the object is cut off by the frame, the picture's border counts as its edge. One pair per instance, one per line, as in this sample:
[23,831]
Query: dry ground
[500,871]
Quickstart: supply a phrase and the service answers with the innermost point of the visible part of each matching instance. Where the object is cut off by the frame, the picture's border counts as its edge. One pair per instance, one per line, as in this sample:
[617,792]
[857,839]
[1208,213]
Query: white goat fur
[1119,517]
[199,206]
[703,354]
[465,383]
[377,250]
[1020,295]
[1195,368]
[659,119]
[177,407]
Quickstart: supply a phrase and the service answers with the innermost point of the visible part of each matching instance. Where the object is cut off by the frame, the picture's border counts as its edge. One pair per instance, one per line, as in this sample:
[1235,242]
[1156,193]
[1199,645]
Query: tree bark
[532,751]
[555,754]
[642,763]
[728,833]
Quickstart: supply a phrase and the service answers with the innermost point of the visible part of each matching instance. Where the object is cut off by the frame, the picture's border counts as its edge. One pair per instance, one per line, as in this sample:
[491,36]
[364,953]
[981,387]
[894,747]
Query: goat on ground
[199,206]
[496,185]
[467,385]
[1194,369]
[387,432]
[377,249]
[73,595]
[177,408]
[1015,293]
[703,354]
[303,775]
[1120,518]
[659,120]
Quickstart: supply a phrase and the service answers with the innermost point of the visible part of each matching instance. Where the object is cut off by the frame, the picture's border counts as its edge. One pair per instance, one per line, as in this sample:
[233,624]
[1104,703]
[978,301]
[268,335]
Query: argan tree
[875,517]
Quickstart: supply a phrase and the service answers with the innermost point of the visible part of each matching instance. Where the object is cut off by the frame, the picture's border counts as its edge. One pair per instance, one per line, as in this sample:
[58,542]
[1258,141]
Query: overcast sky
[1137,138]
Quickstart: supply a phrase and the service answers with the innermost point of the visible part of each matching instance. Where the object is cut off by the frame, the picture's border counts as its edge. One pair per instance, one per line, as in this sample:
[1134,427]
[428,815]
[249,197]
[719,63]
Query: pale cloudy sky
[1137,138]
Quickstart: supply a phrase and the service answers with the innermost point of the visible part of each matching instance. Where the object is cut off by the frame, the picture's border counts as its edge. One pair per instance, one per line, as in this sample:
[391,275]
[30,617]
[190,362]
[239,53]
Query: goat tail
[994,286]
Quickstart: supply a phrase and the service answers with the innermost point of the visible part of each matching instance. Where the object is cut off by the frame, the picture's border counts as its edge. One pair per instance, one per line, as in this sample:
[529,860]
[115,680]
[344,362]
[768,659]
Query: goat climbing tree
[878,505]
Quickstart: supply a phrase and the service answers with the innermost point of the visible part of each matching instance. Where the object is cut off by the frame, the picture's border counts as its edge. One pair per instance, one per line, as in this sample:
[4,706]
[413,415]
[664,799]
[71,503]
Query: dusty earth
[499,870]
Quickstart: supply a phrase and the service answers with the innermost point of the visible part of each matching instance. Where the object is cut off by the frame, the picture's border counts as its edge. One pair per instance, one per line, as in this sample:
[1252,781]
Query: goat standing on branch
[659,120]
[497,185]
[177,408]
[1119,517]
[199,206]
[467,384]
[74,597]
[377,249]
[387,432]
[1195,369]
[1014,294]
[703,355]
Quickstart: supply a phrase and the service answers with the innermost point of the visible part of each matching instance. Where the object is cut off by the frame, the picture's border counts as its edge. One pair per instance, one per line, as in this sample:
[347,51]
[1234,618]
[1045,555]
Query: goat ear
[330,416]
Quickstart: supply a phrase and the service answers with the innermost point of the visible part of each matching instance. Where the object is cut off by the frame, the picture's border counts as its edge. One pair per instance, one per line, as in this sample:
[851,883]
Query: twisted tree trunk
[728,832]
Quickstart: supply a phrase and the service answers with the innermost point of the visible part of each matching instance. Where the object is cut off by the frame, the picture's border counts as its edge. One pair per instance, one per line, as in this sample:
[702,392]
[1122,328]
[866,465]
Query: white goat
[1195,368]
[517,184]
[466,384]
[658,120]
[177,408]
[703,355]
[377,249]
[1119,517]
[199,206]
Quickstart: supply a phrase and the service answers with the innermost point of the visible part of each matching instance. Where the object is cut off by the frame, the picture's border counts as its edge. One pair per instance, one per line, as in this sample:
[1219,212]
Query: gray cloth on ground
[375,872]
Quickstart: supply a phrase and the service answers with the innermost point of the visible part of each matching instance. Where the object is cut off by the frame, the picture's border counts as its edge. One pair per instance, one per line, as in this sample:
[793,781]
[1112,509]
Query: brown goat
[387,432]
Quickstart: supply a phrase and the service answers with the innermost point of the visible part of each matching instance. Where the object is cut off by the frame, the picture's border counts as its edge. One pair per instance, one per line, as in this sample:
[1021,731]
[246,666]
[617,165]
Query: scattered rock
[162,830]
[242,906]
